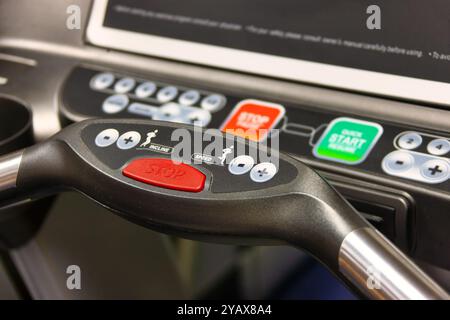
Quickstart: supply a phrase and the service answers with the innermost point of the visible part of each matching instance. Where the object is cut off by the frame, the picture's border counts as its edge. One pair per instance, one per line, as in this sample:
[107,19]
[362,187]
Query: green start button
[348,140]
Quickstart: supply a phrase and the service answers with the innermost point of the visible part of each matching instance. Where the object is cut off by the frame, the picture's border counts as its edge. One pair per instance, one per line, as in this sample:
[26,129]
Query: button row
[416,166]
[262,172]
[173,112]
[126,141]
[413,140]
[240,165]
[211,102]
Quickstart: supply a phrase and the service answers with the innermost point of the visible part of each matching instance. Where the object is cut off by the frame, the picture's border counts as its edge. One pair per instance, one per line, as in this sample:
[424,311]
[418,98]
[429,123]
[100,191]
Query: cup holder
[18,223]
[15,126]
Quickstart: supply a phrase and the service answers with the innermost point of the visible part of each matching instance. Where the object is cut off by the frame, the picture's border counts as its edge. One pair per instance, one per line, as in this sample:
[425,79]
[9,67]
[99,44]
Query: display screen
[405,37]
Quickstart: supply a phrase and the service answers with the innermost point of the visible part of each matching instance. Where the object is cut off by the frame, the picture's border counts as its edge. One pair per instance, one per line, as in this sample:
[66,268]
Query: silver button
[241,165]
[167,94]
[115,103]
[145,89]
[435,170]
[398,161]
[410,141]
[128,140]
[189,98]
[142,109]
[124,85]
[106,138]
[263,172]
[102,81]
[439,147]
[169,112]
[213,102]
[198,117]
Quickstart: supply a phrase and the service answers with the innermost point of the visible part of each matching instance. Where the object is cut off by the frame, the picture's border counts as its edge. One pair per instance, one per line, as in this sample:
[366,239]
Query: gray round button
[213,102]
[398,161]
[145,89]
[199,117]
[169,112]
[410,141]
[189,98]
[102,80]
[124,85]
[241,165]
[435,170]
[439,147]
[106,138]
[167,94]
[128,140]
[115,103]
[263,172]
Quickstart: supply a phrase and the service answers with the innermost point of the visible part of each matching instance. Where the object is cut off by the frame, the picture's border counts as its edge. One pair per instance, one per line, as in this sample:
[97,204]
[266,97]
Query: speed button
[439,147]
[263,172]
[398,161]
[241,165]
[410,141]
[435,170]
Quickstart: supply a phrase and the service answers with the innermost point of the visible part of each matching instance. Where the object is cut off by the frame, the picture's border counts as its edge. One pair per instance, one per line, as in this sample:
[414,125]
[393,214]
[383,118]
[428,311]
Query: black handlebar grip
[135,168]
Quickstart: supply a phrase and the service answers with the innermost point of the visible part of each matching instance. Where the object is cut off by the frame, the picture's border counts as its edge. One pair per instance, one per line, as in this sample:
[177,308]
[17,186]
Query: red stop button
[166,174]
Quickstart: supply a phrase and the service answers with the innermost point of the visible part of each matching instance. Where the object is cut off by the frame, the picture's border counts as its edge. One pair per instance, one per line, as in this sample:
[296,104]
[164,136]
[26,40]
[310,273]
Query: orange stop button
[252,119]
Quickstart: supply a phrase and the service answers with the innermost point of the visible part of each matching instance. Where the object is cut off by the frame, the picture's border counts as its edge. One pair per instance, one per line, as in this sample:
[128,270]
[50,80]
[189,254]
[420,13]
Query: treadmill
[366,107]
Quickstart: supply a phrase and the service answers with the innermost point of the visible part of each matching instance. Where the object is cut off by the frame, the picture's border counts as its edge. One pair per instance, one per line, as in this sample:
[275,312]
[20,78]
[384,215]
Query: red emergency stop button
[166,174]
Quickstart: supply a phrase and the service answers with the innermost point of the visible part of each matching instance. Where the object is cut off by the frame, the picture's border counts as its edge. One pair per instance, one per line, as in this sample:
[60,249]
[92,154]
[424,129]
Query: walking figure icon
[225,152]
[150,136]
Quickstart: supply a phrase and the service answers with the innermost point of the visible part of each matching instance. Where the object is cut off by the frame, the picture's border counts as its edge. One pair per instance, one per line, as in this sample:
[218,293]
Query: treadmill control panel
[379,148]
[150,155]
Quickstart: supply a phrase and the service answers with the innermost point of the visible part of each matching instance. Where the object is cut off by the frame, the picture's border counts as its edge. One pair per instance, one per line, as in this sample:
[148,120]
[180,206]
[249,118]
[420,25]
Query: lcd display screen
[407,38]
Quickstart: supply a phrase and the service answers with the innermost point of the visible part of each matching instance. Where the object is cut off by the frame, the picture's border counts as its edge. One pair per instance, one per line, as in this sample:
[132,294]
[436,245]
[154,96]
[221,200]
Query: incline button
[166,174]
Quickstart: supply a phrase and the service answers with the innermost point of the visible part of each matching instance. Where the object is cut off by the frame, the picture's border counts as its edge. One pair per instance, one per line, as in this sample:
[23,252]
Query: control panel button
[142,109]
[252,119]
[114,104]
[213,102]
[435,170]
[189,98]
[398,161]
[348,140]
[167,94]
[128,140]
[241,165]
[198,117]
[145,89]
[102,81]
[410,141]
[106,138]
[124,85]
[439,147]
[169,112]
[263,172]
[166,174]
